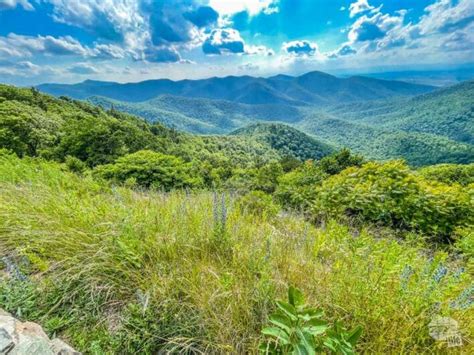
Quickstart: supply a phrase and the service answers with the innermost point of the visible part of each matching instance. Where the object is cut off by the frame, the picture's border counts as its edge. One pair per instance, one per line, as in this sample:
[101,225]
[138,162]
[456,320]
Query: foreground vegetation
[119,270]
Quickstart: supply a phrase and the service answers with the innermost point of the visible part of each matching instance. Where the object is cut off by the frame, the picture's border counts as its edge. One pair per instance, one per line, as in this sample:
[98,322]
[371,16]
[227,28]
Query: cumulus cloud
[83,69]
[342,51]
[27,46]
[253,7]
[11,4]
[370,28]
[447,16]
[203,16]
[300,48]
[222,41]
[259,50]
[361,6]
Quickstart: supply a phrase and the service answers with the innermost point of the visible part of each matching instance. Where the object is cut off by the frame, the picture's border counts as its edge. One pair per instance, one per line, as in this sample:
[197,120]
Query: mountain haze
[314,88]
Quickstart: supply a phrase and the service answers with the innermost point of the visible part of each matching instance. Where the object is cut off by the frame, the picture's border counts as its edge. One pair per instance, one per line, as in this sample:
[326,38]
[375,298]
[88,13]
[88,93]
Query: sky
[67,41]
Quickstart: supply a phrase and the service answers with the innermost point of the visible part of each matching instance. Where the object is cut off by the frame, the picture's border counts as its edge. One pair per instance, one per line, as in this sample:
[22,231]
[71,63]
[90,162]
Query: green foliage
[75,165]
[391,194]
[335,163]
[287,140]
[258,203]
[297,189]
[299,329]
[150,169]
[449,173]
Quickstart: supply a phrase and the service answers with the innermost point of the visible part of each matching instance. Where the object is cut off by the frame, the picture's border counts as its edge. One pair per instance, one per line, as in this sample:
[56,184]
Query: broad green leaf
[354,335]
[278,333]
[295,297]
[311,313]
[281,321]
[308,342]
[288,309]
[300,350]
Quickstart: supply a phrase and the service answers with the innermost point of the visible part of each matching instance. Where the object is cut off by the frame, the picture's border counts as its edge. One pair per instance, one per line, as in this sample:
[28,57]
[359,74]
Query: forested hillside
[35,124]
[203,116]
[431,128]
[448,112]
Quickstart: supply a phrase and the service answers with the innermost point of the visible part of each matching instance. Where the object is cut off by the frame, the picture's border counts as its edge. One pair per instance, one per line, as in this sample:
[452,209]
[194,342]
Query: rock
[28,345]
[31,330]
[61,348]
[28,338]
[6,341]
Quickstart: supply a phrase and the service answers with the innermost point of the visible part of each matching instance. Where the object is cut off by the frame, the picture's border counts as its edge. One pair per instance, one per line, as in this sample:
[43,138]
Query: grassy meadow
[113,269]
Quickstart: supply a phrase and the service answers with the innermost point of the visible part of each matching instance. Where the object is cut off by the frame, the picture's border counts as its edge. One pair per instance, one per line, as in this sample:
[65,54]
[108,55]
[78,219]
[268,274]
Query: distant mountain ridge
[314,88]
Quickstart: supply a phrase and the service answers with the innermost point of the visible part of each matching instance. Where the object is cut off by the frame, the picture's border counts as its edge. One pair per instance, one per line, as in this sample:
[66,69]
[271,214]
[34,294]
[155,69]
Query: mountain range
[381,119]
[314,88]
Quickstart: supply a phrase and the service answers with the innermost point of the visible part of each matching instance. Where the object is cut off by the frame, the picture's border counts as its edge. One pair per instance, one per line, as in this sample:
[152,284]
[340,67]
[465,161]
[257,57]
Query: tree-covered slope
[36,124]
[447,112]
[202,116]
[286,139]
[384,143]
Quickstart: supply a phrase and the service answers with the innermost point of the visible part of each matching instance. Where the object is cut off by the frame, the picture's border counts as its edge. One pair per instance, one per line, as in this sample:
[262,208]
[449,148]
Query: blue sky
[133,40]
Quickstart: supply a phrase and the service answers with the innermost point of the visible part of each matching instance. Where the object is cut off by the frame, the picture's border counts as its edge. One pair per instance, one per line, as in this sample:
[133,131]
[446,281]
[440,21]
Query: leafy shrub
[75,165]
[449,173]
[297,189]
[391,194]
[337,162]
[299,329]
[150,169]
[258,203]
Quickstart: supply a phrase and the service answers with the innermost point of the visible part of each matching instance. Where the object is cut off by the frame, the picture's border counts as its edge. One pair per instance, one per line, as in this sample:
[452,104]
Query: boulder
[26,338]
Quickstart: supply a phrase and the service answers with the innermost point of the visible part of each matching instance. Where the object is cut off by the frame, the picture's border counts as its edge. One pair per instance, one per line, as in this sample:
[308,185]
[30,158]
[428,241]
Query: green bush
[258,203]
[391,194]
[150,169]
[75,165]
[337,162]
[297,189]
[449,173]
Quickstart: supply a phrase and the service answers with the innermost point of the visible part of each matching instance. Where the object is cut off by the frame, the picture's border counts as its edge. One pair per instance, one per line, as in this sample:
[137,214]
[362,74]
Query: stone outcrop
[27,338]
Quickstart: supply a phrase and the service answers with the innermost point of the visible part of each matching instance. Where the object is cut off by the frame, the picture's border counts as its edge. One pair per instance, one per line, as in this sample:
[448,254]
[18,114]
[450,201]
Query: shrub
[337,162]
[449,173]
[75,165]
[296,189]
[258,203]
[392,195]
[150,169]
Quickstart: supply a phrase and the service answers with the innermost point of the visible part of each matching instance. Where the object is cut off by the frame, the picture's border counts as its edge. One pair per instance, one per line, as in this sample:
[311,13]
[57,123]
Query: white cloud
[300,48]
[253,7]
[447,16]
[376,27]
[361,6]
[83,69]
[11,4]
[27,46]
[229,41]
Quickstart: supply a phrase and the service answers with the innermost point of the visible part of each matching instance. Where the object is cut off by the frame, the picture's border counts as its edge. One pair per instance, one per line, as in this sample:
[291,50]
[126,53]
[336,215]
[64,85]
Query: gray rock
[31,345]
[59,347]
[6,341]
[17,338]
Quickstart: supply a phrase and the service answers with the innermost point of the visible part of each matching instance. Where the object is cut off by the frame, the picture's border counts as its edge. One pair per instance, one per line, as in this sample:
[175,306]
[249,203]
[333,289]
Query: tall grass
[117,270]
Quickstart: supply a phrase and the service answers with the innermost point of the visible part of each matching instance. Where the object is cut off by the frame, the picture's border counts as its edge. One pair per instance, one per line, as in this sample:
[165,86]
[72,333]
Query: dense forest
[125,236]
[430,128]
